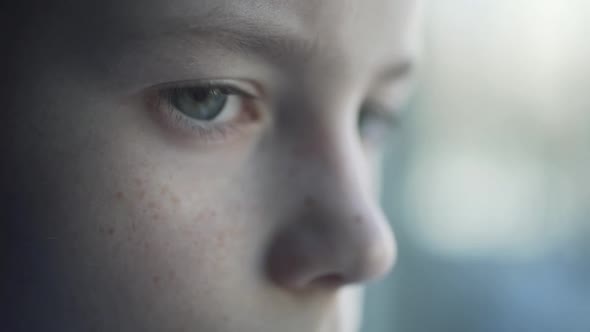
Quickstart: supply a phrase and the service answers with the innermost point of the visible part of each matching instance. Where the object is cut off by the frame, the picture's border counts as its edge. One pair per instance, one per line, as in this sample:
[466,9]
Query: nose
[336,235]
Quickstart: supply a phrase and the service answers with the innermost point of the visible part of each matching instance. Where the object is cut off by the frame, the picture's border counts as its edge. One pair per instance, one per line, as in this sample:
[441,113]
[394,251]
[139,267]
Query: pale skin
[127,212]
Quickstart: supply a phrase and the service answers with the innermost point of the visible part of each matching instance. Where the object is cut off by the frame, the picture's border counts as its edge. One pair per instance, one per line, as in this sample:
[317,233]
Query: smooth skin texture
[125,212]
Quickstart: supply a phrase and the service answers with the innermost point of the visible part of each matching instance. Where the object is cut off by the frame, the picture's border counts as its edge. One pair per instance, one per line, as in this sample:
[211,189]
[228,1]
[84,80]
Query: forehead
[338,26]
[324,16]
[137,43]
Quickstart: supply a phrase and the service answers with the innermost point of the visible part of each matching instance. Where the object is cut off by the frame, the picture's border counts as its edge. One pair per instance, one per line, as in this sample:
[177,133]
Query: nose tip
[315,253]
[374,252]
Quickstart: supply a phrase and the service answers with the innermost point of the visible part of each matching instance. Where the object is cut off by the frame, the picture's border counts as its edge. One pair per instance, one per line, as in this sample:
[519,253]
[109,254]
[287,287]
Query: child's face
[206,165]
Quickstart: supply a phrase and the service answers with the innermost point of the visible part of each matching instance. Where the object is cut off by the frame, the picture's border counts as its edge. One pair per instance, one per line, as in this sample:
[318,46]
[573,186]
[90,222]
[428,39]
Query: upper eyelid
[381,107]
[226,89]
[248,89]
[237,86]
[389,114]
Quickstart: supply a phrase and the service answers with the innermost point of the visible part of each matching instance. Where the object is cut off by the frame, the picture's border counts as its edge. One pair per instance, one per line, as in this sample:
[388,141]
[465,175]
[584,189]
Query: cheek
[170,212]
[177,234]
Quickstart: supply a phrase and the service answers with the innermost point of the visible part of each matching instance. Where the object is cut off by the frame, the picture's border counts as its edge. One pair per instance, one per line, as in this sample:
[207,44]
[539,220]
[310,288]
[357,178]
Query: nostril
[329,281]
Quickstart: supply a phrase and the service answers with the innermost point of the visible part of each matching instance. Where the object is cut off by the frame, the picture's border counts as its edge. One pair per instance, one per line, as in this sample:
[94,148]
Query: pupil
[203,95]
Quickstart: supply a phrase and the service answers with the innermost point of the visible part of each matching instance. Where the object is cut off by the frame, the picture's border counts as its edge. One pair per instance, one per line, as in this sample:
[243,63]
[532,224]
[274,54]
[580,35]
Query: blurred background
[487,187]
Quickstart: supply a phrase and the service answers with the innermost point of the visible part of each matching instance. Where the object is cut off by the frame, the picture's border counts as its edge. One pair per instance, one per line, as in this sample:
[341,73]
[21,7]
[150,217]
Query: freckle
[205,215]
[308,202]
[156,280]
[133,226]
[146,246]
[156,216]
[151,205]
[175,199]
[172,274]
[111,231]
[300,151]
[291,171]
[358,219]
[138,181]
[221,240]
[164,190]
[142,194]
[120,195]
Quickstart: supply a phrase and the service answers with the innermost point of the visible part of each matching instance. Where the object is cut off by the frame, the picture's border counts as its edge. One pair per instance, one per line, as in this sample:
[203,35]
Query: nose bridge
[336,234]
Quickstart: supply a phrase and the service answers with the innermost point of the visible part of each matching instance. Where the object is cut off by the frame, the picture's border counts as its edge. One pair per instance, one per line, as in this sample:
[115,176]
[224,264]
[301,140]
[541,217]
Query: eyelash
[375,121]
[205,131]
[379,120]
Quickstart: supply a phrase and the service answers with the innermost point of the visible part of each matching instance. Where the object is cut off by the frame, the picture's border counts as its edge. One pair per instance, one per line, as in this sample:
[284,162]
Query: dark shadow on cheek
[28,276]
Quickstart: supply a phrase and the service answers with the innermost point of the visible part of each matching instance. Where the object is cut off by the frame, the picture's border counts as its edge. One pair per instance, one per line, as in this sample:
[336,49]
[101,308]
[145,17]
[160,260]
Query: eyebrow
[398,71]
[273,42]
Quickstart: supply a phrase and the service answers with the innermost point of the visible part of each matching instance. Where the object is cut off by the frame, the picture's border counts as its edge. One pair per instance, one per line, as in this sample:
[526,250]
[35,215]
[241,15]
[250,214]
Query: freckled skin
[119,222]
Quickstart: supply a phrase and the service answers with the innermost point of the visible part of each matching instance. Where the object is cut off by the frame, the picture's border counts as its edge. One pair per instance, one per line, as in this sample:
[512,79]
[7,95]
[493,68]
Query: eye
[204,103]
[375,123]
[211,111]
